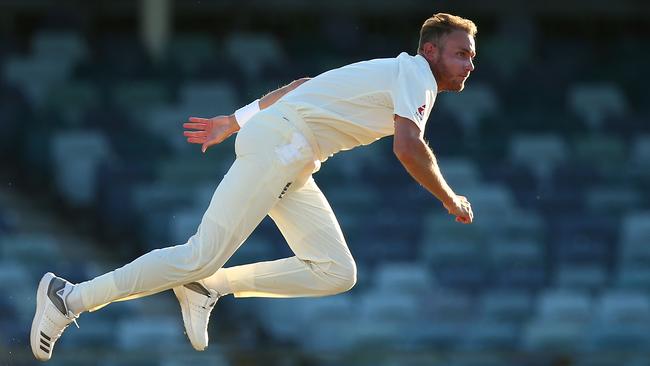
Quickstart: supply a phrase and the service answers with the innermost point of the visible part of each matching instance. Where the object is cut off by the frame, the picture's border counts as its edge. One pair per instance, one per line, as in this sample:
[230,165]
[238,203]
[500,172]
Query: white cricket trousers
[271,175]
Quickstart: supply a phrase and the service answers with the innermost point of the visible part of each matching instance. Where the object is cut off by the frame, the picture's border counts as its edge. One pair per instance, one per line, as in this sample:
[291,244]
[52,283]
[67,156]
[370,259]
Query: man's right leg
[245,195]
[240,202]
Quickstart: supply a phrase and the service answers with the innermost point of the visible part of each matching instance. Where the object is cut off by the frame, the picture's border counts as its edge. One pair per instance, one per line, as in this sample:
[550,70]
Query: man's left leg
[322,265]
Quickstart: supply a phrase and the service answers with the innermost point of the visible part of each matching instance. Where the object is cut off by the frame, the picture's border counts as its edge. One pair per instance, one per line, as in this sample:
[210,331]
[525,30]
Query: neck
[434,71]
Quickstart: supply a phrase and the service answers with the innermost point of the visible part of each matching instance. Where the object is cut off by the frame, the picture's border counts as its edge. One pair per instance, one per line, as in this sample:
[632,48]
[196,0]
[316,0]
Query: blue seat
[202,48]
[607,154]
[515,275]
[460,173]
[30,249]
[595,102]
[279,318]
[265,46]
[583,250]
[447,315]
[183,223]
[541,153]
[617,200]
[586,228]
[581,277]
[503,253]
[571,306]
[506,305]
[440,226]
[624,306]
[491,335]
[640,155]
[336,318]
[151,332]
[95,332]
[467,275]
[76,157]
[136,97]
[635,237]
[616,337]
[71,101]
[257,247]
[622,321]
[36,76]
[634,276]
[218,357]
[445,251]
[386,318]
[556,336]
[493,205]
[59,45]
[471,106]
[524,225]
[208,98]
[561,321]
[448,304]
[638,361]
[415,278]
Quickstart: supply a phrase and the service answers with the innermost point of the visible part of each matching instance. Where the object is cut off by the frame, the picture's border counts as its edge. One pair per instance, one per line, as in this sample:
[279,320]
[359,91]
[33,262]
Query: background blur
[550,141]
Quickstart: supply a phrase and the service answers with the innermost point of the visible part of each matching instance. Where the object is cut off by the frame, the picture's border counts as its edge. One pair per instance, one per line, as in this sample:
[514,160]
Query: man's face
[452,60]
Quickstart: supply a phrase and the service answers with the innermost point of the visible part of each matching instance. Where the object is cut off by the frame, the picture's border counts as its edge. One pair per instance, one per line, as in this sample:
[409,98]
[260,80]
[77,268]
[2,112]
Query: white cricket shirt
[355,104]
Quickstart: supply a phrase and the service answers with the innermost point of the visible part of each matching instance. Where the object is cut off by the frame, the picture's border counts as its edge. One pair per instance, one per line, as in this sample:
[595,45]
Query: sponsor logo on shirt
[421,111]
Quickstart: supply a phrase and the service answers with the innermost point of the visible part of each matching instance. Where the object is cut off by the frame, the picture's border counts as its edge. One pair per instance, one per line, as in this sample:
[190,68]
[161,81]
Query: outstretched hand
[209,131]
[461,208]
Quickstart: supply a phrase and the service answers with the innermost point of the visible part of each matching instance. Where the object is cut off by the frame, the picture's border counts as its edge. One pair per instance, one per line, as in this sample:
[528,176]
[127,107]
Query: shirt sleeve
[410,94]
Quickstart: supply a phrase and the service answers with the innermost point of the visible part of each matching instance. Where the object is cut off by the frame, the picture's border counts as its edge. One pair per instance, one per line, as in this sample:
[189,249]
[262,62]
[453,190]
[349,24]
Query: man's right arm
[420,162]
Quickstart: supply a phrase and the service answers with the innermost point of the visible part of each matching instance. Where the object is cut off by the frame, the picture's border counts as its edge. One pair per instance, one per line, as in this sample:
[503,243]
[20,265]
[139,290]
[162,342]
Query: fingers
[195,134]
[466,216]
[196,137]
[195,126]
[462,209]
[199,120]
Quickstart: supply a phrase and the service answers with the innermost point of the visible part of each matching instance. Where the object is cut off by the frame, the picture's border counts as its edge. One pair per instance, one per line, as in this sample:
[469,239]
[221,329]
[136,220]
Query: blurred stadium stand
[550,142]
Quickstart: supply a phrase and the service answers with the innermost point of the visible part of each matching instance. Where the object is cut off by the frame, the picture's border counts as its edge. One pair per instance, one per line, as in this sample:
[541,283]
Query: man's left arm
[272,97]
[211,131]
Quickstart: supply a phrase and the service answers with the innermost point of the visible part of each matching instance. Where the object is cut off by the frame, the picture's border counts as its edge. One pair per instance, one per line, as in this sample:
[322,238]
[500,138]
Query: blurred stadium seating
[550,142]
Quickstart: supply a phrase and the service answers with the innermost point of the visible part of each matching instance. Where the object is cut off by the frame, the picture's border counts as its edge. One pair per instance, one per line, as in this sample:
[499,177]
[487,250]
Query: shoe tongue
[197,287]
[55,292]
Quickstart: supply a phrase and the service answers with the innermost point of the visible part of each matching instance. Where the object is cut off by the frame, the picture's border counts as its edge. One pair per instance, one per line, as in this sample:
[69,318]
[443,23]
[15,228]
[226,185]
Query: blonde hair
[441,24]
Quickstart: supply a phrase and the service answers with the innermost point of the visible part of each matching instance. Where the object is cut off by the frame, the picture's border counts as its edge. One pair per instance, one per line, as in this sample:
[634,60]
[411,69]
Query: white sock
[74,301]
[218,282]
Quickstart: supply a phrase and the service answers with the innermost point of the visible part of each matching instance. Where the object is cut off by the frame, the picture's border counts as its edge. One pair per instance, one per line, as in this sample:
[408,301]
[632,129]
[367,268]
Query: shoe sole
[186,321]
[34,337]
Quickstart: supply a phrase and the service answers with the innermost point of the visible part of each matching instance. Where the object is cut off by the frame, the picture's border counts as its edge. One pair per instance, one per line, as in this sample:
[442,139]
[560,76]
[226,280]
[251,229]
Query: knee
[200,256]
[344,277]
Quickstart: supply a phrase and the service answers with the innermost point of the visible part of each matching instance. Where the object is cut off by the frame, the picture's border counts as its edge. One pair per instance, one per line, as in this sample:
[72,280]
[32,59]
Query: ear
[430,50]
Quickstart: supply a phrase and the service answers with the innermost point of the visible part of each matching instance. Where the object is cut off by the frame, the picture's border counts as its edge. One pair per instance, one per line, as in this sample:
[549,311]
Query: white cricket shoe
[197,301]
[52,315]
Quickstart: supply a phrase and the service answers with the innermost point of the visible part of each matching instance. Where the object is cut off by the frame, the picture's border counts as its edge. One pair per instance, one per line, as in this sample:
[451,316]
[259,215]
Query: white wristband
[243,114]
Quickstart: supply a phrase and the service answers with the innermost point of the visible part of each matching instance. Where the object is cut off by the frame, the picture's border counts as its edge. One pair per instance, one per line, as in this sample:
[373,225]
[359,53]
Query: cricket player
[282,139]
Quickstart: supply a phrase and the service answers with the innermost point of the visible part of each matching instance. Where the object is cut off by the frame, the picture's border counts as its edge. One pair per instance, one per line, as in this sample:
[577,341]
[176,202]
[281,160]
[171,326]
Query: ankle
[74,301]
[219,283]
